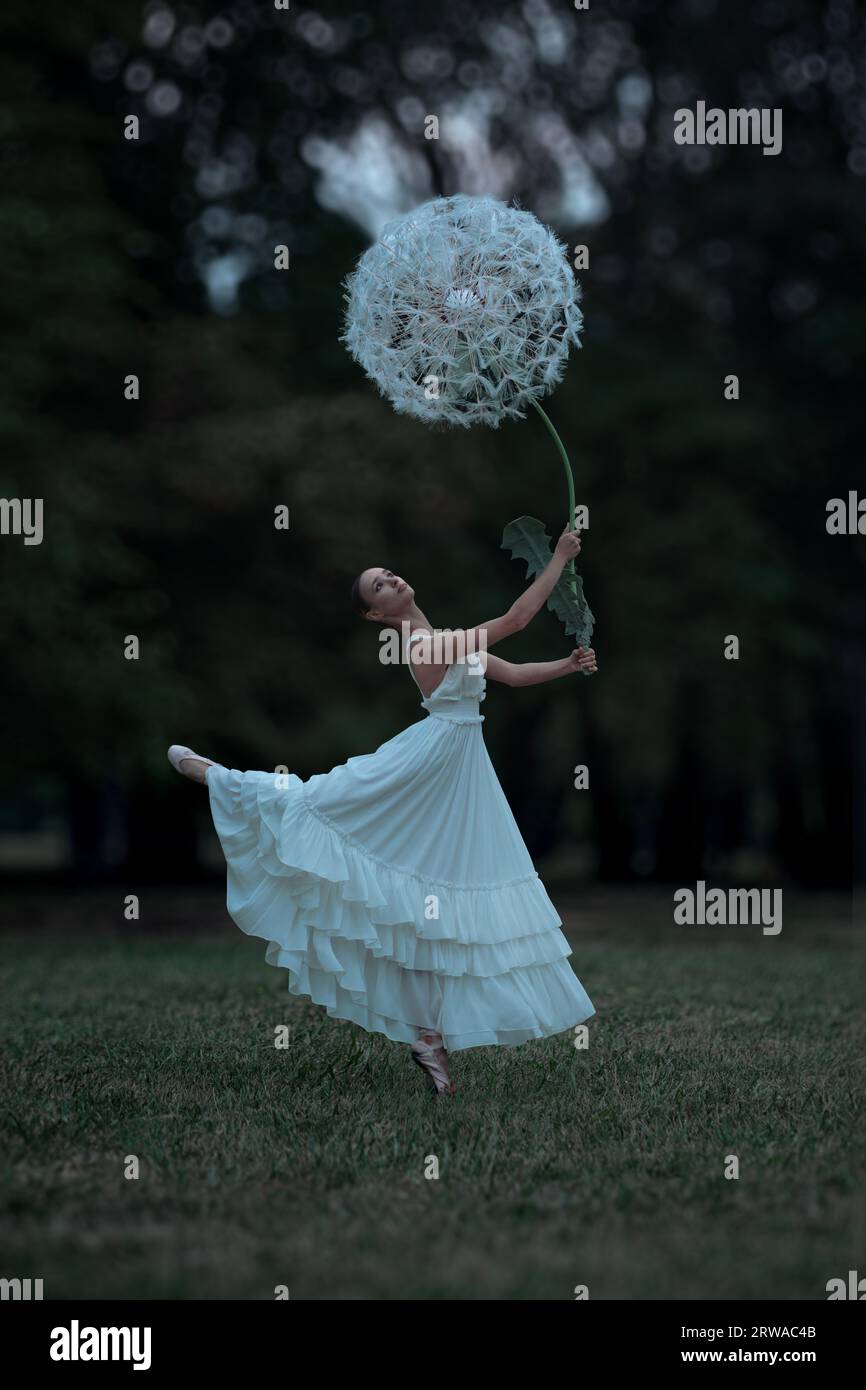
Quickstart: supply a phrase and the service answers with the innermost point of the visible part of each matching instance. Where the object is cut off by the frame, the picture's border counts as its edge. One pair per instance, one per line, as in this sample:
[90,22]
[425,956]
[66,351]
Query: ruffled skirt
[397,892]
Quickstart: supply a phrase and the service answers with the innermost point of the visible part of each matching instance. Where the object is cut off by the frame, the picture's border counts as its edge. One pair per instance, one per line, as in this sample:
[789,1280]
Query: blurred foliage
[706,516]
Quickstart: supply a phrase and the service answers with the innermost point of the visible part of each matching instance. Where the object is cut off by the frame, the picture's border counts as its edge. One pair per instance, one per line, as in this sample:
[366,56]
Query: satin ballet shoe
[178,754]
[433,1062]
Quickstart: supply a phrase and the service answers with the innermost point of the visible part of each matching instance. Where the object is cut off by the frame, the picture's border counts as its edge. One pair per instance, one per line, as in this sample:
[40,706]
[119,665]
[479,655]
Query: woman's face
[388,595]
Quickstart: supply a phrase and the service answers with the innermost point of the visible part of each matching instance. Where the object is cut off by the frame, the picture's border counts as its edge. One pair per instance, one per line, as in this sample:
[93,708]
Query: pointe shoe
[433,1061]
[178,754]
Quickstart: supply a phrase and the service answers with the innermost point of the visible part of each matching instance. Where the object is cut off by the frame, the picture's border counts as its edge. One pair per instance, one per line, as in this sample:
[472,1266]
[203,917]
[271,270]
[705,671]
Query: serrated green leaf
[527,539]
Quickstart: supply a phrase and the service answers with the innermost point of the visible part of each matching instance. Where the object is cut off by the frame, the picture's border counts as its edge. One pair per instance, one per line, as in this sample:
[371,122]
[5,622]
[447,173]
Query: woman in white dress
[396,889]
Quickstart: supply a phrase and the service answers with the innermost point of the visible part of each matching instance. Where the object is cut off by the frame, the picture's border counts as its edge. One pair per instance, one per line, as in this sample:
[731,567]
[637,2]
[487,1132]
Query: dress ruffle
[383,946]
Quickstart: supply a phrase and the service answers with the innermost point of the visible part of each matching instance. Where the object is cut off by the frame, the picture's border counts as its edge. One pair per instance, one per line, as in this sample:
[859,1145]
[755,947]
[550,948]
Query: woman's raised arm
[524,609]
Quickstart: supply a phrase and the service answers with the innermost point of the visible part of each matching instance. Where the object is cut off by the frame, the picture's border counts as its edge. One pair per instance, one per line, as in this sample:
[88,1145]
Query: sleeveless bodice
[459,693]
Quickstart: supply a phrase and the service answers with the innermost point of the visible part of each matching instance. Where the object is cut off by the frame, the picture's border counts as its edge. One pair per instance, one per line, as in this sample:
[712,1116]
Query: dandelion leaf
[527,539]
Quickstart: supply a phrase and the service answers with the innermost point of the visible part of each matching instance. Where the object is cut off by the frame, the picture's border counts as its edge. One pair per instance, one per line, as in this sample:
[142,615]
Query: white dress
[397,890]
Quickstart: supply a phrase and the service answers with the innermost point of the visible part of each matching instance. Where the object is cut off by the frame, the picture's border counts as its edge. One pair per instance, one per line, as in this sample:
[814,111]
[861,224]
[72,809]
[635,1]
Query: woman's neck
[416,619]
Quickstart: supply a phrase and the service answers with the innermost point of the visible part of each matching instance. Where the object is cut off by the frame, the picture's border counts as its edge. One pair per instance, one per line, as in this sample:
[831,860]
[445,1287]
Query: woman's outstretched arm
[536,672]
[524,609]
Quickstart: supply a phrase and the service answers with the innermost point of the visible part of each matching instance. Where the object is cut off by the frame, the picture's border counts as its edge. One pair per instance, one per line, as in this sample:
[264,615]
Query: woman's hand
[581,660]
[568,545]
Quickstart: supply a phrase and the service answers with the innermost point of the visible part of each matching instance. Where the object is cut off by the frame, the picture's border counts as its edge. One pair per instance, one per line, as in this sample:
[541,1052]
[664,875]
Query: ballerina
[396,889]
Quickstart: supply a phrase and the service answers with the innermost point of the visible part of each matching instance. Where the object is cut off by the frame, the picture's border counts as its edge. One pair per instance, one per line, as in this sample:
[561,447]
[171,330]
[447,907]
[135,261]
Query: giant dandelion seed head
[462,311]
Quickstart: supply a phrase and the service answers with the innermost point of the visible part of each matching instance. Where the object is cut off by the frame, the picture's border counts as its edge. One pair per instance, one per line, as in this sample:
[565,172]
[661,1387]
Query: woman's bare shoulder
[425,660]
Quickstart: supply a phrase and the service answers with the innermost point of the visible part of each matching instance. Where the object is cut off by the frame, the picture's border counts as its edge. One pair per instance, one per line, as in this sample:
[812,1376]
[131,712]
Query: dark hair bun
[358,603]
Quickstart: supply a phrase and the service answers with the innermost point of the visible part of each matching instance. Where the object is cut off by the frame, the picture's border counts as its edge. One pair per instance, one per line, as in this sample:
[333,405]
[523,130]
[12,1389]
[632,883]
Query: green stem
[569,476]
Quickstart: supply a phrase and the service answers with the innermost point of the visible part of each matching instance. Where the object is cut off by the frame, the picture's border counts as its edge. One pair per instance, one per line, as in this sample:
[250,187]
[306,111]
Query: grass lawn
[305,1166]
